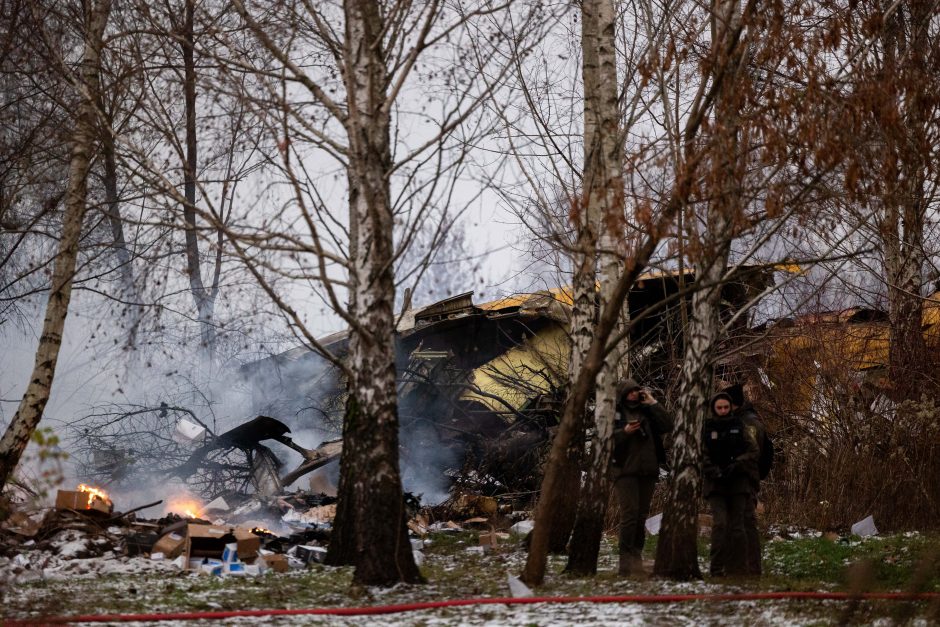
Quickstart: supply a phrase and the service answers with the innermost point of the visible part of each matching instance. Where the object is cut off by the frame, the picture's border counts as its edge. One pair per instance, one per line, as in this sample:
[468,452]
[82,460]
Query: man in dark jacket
[745,411]
[639,426]
[730,455]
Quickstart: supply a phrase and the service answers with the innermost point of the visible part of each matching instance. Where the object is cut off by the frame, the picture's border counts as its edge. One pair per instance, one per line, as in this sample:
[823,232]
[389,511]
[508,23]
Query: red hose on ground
[430,605]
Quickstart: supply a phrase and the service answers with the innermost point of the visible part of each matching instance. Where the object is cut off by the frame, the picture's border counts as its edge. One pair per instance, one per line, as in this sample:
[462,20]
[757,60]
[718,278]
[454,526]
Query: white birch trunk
[31,408]
[905,205]
[381,551]
[677,550]
[603,180]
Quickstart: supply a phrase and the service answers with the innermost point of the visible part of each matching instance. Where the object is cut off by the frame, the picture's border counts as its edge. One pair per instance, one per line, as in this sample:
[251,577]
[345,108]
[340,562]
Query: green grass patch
[897,562]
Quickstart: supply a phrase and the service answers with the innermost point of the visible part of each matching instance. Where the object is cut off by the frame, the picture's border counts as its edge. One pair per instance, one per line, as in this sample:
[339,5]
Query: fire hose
[430,605]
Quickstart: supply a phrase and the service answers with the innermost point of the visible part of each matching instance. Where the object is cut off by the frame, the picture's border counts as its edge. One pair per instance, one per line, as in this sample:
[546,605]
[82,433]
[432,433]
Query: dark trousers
[753,561]
[634,495]
[729,539]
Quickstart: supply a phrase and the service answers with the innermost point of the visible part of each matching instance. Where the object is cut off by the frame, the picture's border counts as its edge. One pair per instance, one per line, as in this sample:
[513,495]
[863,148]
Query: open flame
[262,530]
[184,505]
[94,493]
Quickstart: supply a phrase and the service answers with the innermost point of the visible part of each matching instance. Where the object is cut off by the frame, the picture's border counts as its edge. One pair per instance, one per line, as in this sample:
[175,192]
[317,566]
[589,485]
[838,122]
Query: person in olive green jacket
[730,477]
[638,452]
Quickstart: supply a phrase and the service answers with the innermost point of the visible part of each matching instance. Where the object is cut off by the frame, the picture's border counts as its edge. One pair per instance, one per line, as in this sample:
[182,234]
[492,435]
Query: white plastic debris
[523,527]
[157,557]
[218,505]
[653,523]
[517,588]
[308,554]
[247,507]
[230,553]
[236,569]
[417,544]
[865,527]
[181,562]
[187,432]
[212,567]
[419,557]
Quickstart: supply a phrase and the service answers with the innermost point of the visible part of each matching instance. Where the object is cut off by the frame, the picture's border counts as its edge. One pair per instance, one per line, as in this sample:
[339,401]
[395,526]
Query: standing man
[730,455]
[745,411]
[638,452]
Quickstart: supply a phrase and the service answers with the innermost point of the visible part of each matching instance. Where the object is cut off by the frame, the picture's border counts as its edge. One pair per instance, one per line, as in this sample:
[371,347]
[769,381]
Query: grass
[898,562]
[455,567]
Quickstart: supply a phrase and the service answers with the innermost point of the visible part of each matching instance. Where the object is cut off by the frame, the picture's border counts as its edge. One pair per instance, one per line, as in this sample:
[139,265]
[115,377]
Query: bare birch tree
[86,83]
[371,56]
[770,146]
[653,228]
[603,186]
[701,335]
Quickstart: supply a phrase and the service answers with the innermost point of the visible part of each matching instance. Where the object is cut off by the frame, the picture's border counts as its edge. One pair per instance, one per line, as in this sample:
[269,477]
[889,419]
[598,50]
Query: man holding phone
[638,453]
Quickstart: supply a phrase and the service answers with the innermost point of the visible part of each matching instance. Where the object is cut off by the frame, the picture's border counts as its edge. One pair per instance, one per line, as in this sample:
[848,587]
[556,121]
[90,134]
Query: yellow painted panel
[523,372]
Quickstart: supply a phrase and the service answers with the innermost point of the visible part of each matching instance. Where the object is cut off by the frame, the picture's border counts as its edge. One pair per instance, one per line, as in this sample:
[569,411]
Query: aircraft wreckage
[479,389]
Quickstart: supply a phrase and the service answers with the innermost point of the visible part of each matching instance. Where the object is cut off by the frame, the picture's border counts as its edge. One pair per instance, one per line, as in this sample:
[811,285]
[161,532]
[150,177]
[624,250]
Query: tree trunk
[677,549]
[119,243]
[31,408]
[534,571]
[603,179]
[550,496]
[581,328]
[203,298]
[342,549]
[369,465]
[905,69]
[903,259]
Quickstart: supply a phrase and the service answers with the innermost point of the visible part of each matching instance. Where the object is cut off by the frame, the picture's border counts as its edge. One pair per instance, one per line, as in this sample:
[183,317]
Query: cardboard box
[171,545]
[206,541]
[73,499]
[248,544]
[210,541]
[276,562]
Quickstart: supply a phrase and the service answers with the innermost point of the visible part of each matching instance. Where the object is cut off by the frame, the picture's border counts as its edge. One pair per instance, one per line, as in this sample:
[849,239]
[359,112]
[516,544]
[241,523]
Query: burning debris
[185,506]
[84,498]
[84,536]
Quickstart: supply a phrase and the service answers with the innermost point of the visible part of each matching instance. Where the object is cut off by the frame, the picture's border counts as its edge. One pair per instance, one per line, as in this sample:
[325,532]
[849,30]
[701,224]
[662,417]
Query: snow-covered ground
[63,581]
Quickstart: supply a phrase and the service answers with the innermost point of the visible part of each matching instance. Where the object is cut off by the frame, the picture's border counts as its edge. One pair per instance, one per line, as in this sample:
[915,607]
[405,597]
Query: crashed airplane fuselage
[481,385]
